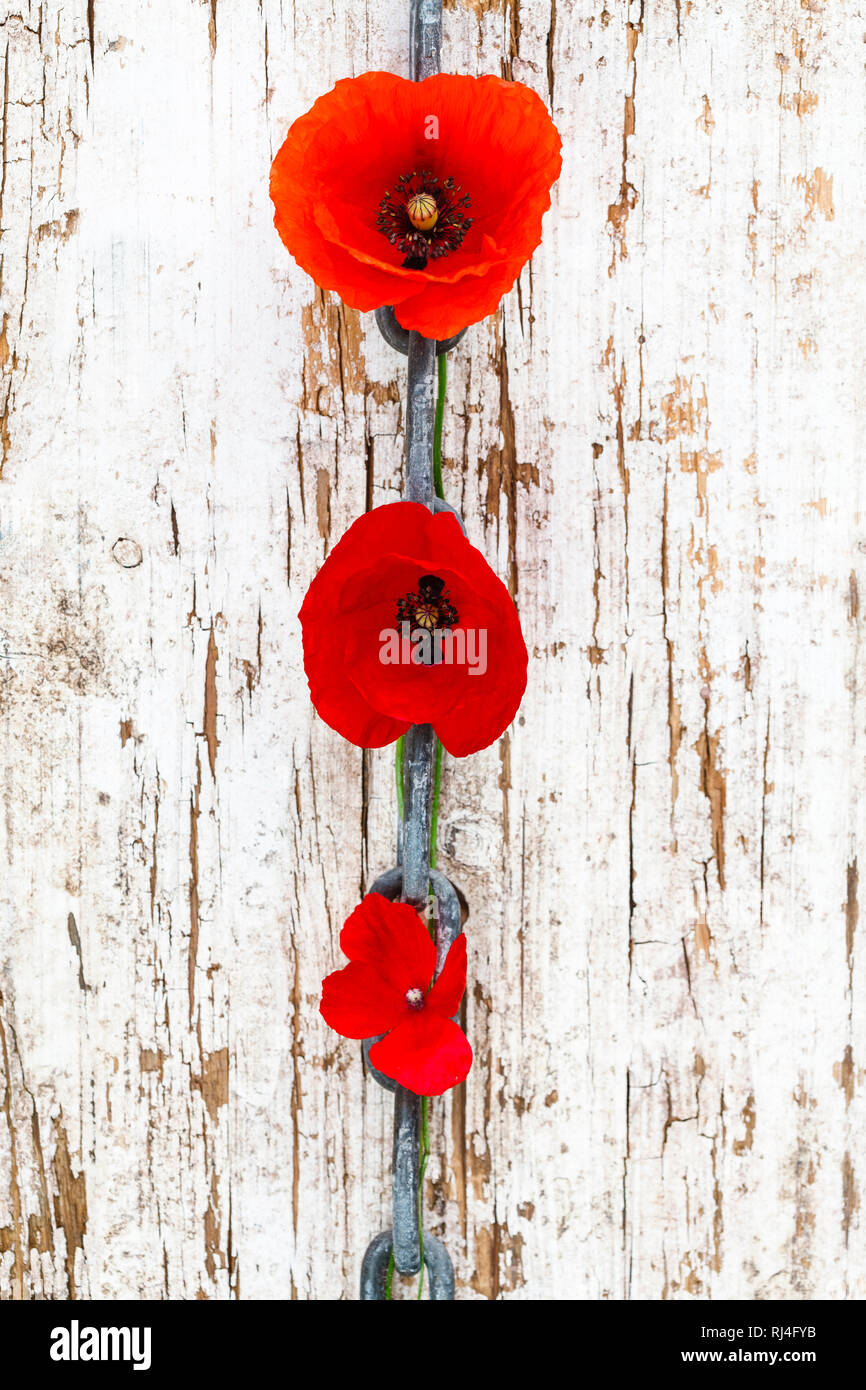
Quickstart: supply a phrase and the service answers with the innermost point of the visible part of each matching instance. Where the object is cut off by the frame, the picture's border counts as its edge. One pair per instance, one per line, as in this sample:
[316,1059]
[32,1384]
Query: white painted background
[657,443]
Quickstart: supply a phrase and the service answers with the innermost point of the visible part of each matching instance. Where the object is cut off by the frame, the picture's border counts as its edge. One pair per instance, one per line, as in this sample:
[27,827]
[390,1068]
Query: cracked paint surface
[656,444]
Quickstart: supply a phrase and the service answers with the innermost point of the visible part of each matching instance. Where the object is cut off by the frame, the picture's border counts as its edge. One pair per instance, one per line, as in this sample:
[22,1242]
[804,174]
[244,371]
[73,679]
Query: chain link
[412,880]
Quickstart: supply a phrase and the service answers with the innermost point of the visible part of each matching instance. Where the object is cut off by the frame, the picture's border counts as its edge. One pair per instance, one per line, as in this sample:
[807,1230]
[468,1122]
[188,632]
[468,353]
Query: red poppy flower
[385,988]
[425,195]
[406,623]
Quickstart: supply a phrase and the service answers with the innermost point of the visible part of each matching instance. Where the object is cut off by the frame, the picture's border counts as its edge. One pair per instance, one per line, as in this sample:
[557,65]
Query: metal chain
[413,880]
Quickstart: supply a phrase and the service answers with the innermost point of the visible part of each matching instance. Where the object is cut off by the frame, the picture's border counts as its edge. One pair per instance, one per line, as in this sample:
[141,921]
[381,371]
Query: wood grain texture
[656,442]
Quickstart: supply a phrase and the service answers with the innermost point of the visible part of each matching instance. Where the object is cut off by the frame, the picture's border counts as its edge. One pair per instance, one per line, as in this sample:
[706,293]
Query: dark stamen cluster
[430,608]
[418,247]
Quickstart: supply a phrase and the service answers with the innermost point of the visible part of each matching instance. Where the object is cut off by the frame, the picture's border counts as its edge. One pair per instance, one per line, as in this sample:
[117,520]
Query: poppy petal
[484,712]
[391,939]
[338,700]
[425,1053]
[450,986]
[332,691]
[358,1001]
[494,139]
[354,683]
[441,310]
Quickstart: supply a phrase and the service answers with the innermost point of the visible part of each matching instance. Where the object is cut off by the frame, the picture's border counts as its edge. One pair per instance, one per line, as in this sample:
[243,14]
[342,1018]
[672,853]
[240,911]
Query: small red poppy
[425,195]
[385,988]
[406,623]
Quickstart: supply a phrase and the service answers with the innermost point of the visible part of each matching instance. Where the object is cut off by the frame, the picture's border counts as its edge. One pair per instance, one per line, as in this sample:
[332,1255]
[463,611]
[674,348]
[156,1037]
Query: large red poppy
[425,195]
[401,569]
[385,988]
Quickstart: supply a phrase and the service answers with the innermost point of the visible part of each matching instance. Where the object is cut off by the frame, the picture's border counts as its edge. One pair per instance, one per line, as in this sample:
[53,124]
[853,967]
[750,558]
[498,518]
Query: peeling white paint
[665,963]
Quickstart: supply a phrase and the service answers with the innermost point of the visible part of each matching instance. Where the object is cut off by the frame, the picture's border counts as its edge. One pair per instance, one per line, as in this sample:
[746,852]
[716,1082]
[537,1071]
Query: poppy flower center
[430,608]
[424,217]
[415,998]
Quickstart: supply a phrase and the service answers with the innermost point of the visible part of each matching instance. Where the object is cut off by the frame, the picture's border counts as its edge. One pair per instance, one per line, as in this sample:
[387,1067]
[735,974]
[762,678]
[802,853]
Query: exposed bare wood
[656,443]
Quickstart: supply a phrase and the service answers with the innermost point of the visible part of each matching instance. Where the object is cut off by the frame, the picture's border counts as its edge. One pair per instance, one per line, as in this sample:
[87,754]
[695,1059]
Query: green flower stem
[442,365]
[437,788]
[422,1168]
[424,1154]
[398,778]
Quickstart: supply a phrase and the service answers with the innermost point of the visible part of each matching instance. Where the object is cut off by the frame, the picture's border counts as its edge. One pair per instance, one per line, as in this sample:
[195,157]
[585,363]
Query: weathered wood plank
[656,444]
